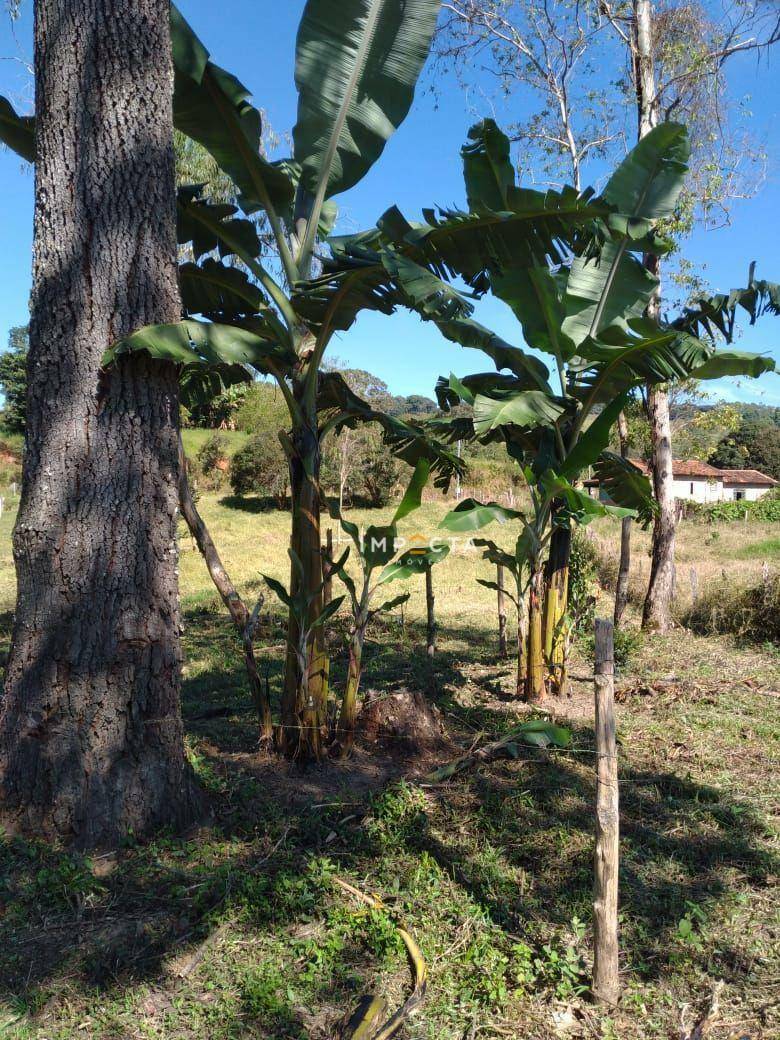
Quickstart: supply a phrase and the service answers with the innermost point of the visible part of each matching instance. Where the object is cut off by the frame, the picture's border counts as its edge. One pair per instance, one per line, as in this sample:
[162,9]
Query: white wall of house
[743,492]
[705,490]
[698,489]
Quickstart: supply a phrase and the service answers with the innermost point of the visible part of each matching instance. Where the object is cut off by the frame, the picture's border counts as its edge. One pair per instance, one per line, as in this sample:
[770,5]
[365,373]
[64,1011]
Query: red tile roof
[747,476]
[687,468]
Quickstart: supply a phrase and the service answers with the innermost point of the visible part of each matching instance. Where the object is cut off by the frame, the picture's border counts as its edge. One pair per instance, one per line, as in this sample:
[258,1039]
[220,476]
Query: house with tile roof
[696,481]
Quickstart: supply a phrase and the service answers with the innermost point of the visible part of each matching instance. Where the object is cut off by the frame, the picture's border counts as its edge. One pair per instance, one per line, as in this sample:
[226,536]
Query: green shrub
[583,581]
[359,464]
[213,453]
[765,510]
[262,410]
[211,464]
[260,468]
[627,642]
[749,612]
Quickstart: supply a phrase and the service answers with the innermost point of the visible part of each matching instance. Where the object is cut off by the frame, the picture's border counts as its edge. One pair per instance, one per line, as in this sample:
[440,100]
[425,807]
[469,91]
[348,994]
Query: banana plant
[376,549]
[300,604]
[356,69]
[470,515]
[571,269]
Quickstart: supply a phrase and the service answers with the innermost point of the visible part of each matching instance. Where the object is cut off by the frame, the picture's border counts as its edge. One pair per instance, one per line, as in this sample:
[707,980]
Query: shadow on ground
[512,840]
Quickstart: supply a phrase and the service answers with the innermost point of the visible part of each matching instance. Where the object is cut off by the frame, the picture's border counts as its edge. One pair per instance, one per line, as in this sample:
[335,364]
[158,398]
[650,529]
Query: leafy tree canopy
[754,445]
[13,379]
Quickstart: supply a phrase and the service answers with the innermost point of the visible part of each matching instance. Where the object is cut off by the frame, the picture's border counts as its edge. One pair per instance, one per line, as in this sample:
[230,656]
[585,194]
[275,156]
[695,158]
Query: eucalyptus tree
[580,295]
[91,742]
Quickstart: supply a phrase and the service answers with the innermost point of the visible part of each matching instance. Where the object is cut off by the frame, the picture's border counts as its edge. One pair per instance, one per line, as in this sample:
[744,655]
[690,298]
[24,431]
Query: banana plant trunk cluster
[556,607]
[305,689]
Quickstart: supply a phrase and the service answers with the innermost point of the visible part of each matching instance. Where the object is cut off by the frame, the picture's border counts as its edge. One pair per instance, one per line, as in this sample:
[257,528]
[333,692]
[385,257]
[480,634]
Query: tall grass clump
[751,612]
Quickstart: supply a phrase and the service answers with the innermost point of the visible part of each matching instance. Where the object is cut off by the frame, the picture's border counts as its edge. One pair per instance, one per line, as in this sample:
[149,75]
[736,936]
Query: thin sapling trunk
[244,619]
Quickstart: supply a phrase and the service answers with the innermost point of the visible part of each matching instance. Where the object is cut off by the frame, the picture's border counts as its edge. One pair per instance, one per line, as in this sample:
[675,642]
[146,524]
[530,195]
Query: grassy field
[194,439]
[239,930]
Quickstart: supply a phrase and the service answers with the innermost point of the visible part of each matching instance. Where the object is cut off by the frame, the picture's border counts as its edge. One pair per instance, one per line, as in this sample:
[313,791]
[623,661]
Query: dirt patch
[403,723]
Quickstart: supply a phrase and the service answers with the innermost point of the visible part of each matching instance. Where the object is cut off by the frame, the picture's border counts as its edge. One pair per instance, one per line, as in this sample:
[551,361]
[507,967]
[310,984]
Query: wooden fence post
[501,611]
[430,601]
[606,983]
[694,585]
[327,563]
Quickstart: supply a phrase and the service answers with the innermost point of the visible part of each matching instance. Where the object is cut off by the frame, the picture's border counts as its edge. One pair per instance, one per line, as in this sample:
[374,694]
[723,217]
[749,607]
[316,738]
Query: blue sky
[420,167]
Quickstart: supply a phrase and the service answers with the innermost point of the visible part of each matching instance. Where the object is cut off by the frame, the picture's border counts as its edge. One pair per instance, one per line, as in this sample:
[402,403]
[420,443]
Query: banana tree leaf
[647,184]
[409,441]
[279,589]
[528,408]
[536,227]
[391,604]
[579,506]
[413,495]
[357,64]
[379,545]
[205,343]
[487,167]
[434,300]
[212,107]
[710,315]
[539,729]
[593,440]
[609,287]
[626,485]
[208,226]
[613,284]
[450,391]
[453,244]
[470,515]
[495,554]
[734,363]
[199,384]
[18,132]
[430,296]
[535,296]
[641,351]
[494,587]
[415,561]
[219,292]
[347,526]
[328,611]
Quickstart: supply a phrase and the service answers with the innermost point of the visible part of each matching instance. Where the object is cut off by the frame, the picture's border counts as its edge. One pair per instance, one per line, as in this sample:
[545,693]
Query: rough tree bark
[656,615]
[91,743]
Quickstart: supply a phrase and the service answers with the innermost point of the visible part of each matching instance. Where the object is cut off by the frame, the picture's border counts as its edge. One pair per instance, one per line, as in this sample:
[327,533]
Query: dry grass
[237,931]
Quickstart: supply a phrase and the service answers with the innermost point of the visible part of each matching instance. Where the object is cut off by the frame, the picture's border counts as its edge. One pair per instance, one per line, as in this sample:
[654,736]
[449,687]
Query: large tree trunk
[657,610]
[91,743]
